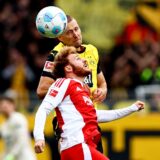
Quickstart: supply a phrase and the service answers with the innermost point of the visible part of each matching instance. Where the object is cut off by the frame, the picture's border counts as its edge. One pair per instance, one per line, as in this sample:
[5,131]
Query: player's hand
[39,146]
[98,95]
[140,105]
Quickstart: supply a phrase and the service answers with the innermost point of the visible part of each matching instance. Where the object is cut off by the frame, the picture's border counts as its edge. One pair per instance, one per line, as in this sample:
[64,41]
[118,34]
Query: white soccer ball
[51,21]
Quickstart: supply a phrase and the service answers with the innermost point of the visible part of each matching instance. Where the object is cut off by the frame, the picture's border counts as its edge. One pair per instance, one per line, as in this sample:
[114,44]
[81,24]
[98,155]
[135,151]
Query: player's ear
[68,68]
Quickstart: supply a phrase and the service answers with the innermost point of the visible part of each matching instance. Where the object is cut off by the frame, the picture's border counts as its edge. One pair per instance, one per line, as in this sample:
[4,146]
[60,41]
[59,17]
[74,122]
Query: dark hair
[69,18]
[5,98]
[61,60]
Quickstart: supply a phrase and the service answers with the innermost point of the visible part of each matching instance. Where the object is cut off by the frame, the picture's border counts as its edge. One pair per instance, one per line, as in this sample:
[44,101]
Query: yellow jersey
[90,54]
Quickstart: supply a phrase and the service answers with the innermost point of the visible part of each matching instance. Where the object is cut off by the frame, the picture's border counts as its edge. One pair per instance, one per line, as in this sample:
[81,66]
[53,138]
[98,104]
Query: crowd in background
[23,53]
[135,61]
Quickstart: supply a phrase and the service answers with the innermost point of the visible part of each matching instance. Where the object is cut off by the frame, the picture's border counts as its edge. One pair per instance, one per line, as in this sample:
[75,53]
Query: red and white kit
[77,118]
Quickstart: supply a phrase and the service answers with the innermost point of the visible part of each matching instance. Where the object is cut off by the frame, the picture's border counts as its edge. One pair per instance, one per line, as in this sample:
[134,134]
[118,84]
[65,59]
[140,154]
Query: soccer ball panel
[51,22]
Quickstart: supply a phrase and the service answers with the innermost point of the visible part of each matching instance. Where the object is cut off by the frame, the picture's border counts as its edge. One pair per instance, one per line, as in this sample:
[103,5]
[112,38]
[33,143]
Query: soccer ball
[51,21]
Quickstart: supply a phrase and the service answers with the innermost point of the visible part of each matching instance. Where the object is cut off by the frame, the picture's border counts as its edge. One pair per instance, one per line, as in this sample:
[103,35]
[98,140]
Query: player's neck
[71,75]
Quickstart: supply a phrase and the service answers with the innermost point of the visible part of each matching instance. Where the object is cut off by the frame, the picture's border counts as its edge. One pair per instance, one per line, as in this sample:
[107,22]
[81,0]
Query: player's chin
[77,43]
[87,72]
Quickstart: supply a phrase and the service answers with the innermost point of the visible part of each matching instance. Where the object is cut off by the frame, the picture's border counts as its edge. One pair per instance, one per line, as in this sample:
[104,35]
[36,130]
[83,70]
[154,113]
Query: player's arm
[52,99]
[47,77]
[100,93]
[110,115]
[40,121]
[43,86]
[47,105]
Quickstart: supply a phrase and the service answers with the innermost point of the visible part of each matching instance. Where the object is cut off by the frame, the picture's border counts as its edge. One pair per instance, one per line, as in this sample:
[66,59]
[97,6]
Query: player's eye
[69,32]
[76,28]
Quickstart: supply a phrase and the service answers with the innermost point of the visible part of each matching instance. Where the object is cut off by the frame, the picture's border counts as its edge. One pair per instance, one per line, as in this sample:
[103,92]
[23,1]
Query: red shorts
[82,151]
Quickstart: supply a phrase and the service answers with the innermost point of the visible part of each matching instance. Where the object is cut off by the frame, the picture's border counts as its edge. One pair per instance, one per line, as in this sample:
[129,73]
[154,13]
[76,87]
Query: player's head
[72,35]
[7,105]
[68,64]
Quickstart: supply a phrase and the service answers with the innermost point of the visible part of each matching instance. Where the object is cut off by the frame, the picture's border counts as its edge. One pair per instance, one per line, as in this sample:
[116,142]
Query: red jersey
[75,112]
[77,118]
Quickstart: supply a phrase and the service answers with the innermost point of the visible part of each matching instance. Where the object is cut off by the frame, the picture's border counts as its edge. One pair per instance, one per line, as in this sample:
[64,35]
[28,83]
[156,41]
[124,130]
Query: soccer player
[77,117]
[14,131]
[95,80]
[73,37]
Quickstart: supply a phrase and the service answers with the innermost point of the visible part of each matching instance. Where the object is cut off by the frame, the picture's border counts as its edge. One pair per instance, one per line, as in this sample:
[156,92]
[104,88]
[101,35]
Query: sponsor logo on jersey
[88,80]
[53,92]
[48,67]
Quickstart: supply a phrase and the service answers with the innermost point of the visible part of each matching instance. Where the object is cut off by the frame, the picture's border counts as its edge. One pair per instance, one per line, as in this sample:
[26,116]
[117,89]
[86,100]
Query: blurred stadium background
[127,35]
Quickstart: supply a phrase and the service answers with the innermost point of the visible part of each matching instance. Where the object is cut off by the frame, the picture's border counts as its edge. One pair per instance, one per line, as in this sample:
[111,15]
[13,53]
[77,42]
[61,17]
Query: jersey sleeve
[49,64]
[52,99]
[110,115]
[56,92]
[52,55]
